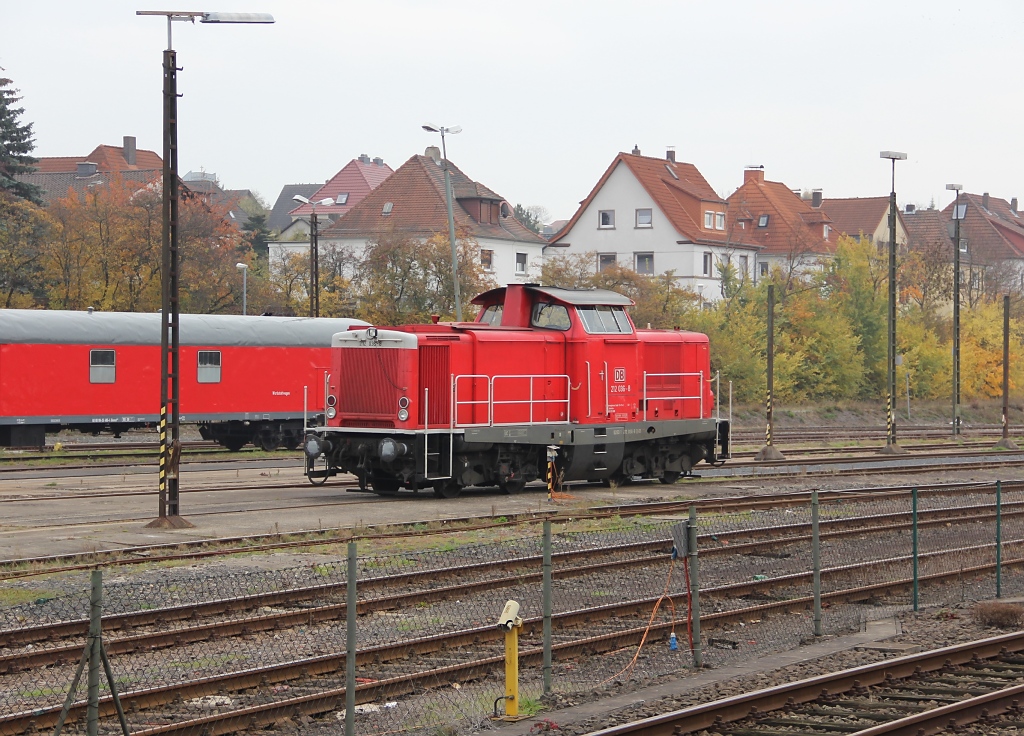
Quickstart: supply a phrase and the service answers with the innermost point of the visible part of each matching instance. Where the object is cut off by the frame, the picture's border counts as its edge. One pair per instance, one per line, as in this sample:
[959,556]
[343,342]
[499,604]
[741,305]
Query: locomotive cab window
[492,315]
[603,319]
[550,316]
[101,366]
[208,370]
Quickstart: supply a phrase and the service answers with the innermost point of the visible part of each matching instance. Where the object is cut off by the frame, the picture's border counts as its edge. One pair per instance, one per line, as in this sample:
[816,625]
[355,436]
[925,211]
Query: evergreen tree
[16,146]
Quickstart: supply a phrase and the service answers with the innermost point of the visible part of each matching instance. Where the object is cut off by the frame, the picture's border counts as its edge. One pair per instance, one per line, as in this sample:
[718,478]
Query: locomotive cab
[452,405]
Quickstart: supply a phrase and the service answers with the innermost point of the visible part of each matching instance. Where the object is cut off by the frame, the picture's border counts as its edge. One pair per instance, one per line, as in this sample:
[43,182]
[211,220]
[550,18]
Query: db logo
[620,375]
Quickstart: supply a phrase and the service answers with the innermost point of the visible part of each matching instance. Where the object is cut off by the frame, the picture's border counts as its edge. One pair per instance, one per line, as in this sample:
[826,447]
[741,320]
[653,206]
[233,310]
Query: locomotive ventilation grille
[372,383]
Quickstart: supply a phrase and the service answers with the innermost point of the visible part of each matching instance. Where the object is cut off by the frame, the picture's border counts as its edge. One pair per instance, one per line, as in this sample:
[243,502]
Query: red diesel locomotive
[242,379]
[479,403]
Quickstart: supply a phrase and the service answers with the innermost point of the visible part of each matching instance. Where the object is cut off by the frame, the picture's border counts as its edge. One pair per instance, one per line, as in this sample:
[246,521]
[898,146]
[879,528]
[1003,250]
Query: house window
[605,260]
[487,260]
[826,231]
[520,264]
[762,221]
[606,218]
[386,209]
[762,268]
[643,218]
[707,264]
[719,221]
[709,220]
[644,263]
[744,266]
[101,366]
[341,198]
[208,370]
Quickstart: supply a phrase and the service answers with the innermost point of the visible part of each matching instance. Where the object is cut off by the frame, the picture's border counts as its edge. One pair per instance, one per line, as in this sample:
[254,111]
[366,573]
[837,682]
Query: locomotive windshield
[602,319]
[492,315]
[550,316]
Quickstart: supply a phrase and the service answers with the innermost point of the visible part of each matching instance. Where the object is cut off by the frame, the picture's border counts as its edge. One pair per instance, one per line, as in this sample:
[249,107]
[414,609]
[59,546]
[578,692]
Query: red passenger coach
[243,379]
[480,403]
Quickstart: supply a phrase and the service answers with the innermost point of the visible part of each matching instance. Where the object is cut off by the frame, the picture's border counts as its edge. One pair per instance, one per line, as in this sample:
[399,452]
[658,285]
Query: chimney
[378,161]
[909,209]
[670,155]
[815,198]
[85,168]
[128,150]
[636,150]
[753,173]
[1013,205]
[984,200]
[363,158]
[433,152]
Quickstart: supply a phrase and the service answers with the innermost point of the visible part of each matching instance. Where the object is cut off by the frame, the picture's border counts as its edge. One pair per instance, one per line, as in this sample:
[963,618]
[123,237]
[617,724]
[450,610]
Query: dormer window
[826,231]
[719,221]
[709,220]
[762,221]
[386,210]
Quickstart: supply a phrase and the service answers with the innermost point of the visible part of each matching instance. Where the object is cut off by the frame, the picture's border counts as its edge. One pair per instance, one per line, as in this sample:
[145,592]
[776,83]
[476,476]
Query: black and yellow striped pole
[552,470]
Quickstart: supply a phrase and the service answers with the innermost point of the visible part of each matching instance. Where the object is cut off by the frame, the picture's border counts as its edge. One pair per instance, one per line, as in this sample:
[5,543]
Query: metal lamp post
[957,216]
[244,268]
[170,446]
[890,437]
[431,128]
[314,254]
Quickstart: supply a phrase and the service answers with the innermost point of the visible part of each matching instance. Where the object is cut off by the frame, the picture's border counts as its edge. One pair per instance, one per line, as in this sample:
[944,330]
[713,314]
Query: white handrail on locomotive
[492,402]
[590,411]
[700,384]
[426,444]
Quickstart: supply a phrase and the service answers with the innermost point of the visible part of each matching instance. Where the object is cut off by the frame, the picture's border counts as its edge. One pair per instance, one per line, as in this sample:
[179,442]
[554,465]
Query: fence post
[547,606]
[999,539]
[350,641]
[95,659]
[698,659]
[913,518]
[816,562]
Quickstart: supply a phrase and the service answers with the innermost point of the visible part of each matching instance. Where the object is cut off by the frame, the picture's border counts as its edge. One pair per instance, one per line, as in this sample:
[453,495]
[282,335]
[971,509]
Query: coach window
[209,367]
[101,366]
[603,319]
[550,317]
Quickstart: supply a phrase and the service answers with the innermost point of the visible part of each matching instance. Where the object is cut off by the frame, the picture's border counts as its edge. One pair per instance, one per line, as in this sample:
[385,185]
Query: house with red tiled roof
[656,215]
[991,245]
[412,201]
[791,233]
[862,216]
[55,175]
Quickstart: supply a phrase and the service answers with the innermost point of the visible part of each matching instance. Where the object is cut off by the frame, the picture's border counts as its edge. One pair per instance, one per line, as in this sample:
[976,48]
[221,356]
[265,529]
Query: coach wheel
[270,442]
[447,489]
[512,485]
[669,478]
[234,443]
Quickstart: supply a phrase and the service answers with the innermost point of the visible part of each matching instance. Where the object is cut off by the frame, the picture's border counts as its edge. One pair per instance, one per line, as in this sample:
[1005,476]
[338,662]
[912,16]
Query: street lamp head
[453,130]
[300,198]
[242,266]
[954,187]
[326,201]
[236,18]
[893,155]
[431,128]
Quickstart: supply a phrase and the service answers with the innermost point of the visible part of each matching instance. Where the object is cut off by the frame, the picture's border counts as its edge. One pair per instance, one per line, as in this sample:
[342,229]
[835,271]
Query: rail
[494,404]
[700,387]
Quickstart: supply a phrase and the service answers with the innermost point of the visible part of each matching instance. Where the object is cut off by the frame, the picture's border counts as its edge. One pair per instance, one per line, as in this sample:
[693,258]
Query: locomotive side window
[603,319]
[208,370]
[101,366]
[492,315]
[550,317]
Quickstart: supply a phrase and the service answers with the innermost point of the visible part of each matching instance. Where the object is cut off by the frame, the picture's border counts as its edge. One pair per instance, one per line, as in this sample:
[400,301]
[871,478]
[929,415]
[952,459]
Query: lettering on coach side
[280,393]
[514,432]
[620,375]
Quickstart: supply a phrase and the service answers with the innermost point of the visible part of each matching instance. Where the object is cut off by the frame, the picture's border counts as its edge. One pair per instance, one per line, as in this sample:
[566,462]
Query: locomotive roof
[135,328]
[581,297]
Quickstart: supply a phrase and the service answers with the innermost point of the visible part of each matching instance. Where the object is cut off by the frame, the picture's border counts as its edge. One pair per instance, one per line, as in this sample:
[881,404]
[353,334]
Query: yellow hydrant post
[512,670]
[511,624]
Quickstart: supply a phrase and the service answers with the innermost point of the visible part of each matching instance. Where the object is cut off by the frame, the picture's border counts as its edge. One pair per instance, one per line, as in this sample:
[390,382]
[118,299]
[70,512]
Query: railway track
[919,694]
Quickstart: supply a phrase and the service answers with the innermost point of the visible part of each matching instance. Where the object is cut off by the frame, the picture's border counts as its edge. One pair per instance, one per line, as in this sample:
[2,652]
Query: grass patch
[999,615]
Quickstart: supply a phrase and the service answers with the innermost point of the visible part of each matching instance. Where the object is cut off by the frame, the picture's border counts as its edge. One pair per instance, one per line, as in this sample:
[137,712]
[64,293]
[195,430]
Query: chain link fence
[190,646]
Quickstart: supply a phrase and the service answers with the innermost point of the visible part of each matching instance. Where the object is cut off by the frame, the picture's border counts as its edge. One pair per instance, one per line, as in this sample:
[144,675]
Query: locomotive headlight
[403,403]
[403,414]
[331,412]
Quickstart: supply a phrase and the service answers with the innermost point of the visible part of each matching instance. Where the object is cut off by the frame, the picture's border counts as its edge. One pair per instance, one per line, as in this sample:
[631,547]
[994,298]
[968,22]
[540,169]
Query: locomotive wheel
[447,489]
[669,478]
[385,486]
[512,485]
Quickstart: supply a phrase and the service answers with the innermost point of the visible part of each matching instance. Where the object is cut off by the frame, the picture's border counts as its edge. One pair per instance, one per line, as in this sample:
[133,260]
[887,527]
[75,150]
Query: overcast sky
[546,92]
